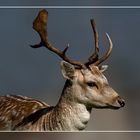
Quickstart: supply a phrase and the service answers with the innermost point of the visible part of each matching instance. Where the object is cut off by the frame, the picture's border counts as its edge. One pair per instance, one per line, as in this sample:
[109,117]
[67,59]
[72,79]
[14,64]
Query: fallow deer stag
[86,87]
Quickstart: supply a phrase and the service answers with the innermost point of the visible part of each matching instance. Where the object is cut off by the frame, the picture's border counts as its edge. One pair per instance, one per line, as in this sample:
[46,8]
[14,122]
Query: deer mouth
[114,107]
[118,104]
[107,106]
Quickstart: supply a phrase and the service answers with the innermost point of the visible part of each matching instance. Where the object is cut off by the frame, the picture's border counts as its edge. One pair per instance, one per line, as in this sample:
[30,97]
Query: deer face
[91,87]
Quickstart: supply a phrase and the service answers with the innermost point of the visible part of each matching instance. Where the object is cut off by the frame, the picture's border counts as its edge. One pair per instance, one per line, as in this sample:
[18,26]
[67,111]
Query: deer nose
[121,102]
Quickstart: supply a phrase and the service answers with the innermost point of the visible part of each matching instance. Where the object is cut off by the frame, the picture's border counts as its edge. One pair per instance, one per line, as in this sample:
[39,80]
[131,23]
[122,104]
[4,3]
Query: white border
[70,7]
[77,7]
[90,131]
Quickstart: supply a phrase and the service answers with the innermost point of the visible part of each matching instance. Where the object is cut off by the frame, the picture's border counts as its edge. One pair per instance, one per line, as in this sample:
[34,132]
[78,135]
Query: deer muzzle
[121,102]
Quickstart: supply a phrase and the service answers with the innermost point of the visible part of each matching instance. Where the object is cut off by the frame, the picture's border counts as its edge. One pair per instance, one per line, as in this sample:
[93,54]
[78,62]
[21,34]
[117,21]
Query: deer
[85,88]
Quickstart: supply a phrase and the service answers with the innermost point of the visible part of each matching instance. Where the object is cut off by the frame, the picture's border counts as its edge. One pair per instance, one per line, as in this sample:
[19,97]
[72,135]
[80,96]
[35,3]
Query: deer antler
[39,25]
[107,53]
[94,58]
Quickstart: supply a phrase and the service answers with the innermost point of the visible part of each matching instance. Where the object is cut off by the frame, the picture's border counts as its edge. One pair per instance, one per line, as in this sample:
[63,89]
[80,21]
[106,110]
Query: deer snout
[121,102]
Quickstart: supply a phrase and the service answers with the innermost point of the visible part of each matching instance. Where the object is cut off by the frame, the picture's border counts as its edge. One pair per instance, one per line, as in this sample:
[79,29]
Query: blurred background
[36,72]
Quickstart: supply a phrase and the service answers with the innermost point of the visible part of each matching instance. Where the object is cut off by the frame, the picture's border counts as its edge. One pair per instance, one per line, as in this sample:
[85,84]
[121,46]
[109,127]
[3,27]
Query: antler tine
[94,56]
[107,53]
[39,25]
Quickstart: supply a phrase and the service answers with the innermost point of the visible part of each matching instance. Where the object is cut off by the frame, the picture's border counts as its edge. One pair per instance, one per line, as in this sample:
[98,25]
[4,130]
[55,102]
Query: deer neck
[71,114]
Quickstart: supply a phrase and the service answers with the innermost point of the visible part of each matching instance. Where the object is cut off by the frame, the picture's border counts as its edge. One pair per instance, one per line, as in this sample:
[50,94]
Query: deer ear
[68,70]
[103,68]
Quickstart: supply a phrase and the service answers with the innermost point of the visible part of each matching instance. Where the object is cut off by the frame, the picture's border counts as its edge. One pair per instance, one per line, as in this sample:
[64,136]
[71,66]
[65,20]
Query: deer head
[87,79]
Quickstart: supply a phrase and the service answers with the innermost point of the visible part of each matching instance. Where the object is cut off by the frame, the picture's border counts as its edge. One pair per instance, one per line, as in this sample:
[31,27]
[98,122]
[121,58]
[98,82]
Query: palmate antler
[40,25]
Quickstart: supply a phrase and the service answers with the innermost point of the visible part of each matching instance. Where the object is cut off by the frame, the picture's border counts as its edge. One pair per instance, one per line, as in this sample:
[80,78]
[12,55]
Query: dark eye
[92,84]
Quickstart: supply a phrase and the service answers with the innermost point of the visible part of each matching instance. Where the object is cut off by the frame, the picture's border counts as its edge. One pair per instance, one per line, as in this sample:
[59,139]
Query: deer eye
[92,84]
